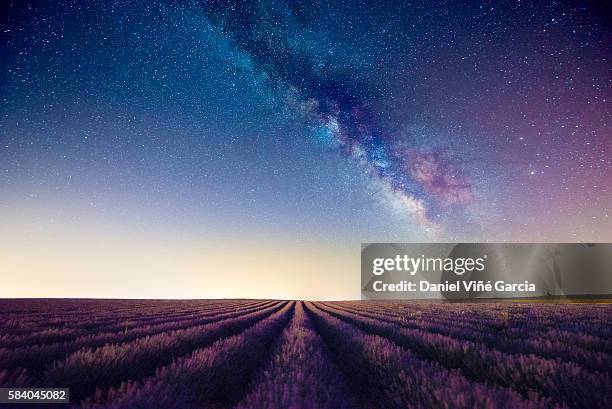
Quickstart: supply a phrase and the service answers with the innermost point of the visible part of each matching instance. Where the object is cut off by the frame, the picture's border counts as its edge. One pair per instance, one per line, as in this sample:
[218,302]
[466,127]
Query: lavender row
[95,320]
[209,377]
[386,375]
[561,381]
[473,318]
[91,368]
[134,328]
[37,357]
[50,313]
[547,347]
[568,326]
[300,373]
[589,319]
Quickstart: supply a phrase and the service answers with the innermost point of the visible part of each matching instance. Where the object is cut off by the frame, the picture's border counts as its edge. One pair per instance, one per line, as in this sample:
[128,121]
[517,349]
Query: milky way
[340,107]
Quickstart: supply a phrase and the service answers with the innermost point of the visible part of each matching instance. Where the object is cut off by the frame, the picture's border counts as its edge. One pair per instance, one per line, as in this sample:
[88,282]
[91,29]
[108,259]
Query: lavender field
[286,354]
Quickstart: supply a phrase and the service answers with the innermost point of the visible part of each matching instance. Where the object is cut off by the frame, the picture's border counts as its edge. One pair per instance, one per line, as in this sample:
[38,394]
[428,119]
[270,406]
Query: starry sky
[223,148]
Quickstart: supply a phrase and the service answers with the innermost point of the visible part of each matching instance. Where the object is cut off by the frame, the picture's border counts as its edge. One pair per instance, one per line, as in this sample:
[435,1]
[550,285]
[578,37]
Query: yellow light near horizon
[74,261]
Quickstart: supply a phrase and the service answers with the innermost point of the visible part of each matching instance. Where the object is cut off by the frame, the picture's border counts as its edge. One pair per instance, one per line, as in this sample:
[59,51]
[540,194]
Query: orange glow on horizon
[107,262]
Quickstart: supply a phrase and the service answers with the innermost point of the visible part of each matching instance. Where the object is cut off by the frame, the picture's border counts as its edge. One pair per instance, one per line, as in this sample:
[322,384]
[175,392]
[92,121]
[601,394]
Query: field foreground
[285,354]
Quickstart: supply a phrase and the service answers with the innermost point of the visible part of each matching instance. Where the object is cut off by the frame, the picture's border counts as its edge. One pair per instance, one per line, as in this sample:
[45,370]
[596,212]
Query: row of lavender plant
[97,319]
[540,345]
[518,321]
[546,314]
[563,382]
[37,357]
[465,318]
[43,310]
[385,375]
[92,317]
[209,377]
[135,328]
[300,373]
[107,359]
[21,367]
[55,332]
[477,318]
[17,324]
[109,365]
[588,319]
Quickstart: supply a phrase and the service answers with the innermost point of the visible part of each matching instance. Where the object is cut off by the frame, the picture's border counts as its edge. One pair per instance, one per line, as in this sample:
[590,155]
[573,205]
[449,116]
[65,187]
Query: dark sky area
[312,121]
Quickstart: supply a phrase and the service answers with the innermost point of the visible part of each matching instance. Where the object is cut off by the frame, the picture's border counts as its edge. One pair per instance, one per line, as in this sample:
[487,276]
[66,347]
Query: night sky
[267,139]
